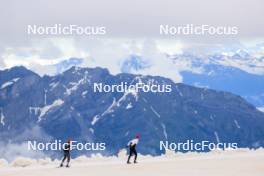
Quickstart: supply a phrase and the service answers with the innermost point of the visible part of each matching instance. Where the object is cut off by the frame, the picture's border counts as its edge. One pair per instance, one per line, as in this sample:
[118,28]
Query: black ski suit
[132,150]
[66,151]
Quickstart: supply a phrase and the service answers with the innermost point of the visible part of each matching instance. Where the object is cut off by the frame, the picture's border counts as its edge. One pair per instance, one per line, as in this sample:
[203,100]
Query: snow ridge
[9,83]
[43,110]
[95,119]
[261,109]
[117,103]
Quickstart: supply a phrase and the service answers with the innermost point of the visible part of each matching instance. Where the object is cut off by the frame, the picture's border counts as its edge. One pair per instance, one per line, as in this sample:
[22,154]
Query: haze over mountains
[240,72]
[230,69]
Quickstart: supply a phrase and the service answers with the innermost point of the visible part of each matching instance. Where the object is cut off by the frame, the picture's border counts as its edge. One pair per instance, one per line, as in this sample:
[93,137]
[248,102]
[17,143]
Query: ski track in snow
[240,162]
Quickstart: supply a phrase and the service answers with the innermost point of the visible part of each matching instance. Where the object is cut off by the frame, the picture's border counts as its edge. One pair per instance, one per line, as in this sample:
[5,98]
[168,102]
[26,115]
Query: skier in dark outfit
[66,151]
[132,149]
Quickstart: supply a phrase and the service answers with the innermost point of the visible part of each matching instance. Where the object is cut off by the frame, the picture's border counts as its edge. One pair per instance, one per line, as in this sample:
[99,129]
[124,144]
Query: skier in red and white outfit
[132,149]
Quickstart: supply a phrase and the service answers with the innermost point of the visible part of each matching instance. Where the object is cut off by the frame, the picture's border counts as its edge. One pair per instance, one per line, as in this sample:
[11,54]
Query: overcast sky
[137,18]
[131,27]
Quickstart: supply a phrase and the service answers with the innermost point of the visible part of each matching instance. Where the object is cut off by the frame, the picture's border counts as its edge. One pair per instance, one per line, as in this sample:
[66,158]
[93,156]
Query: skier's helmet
[137,136]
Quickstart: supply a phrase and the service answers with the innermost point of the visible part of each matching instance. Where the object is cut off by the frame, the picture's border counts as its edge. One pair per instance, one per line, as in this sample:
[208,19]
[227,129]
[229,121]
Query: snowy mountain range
[229,69]
[65,105]
[240,72]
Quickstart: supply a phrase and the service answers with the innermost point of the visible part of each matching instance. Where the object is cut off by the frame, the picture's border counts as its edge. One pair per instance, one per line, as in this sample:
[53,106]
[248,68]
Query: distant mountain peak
[68,63]
[15,73]
[133,64]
